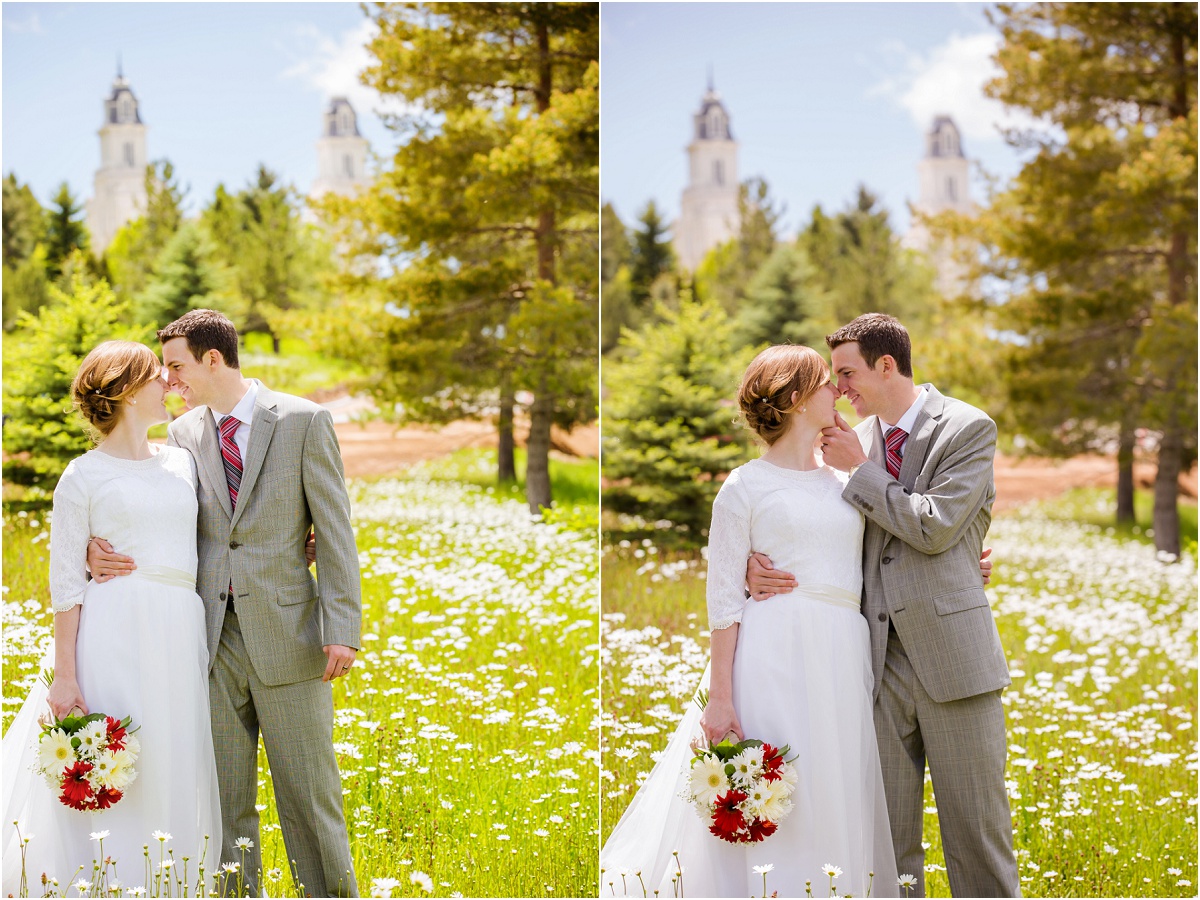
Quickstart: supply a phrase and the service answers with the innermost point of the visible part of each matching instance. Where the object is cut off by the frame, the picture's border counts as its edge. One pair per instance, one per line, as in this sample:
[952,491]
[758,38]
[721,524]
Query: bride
[794,669]
[133,646]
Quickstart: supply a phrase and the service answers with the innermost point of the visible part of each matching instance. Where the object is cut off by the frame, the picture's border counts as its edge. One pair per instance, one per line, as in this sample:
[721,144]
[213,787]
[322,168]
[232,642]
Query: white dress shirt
[244,410]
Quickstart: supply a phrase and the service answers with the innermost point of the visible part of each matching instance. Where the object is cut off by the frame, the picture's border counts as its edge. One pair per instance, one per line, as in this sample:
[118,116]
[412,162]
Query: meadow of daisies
[466,736]
[1101,640]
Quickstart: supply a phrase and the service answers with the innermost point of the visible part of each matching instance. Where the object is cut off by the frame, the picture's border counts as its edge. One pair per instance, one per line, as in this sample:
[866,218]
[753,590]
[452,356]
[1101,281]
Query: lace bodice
[145,508]
[798,519]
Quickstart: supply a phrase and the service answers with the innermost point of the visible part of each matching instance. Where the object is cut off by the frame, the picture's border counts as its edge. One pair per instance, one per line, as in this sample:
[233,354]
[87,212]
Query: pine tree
[185,277]
[780,303]
[652,253]
[42,433]
[488,200]
[727,270]
[65,230]
[670,420]
[1098,231]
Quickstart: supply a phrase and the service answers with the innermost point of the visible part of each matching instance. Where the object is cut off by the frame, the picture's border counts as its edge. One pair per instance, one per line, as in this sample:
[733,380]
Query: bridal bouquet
[88,759]
[741,789]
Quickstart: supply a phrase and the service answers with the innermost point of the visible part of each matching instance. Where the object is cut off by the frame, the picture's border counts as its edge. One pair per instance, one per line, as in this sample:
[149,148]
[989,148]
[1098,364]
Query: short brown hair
[765,395]
[877,334]
[107,377]
[204,330]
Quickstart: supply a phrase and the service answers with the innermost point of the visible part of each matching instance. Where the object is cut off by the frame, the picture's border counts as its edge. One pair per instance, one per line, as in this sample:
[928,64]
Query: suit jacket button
[883,617]
[222,596]
[233,545]
[886,560]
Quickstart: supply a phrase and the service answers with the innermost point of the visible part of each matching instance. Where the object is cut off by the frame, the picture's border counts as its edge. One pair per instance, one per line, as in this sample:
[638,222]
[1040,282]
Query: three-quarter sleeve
[69,536]
[728,550]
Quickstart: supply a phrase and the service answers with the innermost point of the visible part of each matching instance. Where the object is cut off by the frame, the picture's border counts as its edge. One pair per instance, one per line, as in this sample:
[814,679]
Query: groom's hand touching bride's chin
[840,446]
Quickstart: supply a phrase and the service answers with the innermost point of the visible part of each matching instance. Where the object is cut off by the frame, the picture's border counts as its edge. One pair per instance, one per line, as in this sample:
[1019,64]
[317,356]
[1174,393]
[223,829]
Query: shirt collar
[909,419]
[244,410]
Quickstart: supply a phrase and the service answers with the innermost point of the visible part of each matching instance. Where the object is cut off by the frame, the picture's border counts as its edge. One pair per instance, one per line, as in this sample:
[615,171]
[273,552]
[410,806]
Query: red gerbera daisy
[106,797]
[116,734]
[727,818]
[76,790]
[761,829]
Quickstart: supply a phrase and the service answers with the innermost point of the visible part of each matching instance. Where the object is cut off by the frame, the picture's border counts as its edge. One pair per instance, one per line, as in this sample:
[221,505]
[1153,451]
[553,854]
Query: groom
[268,468]
[920,470]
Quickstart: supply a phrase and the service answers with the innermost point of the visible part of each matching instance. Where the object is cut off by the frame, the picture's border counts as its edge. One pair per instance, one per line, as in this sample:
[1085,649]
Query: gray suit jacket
[921,548]
[292,478]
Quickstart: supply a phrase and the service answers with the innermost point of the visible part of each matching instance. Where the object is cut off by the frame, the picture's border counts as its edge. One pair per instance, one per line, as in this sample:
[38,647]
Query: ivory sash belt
[827,593]
[166,575]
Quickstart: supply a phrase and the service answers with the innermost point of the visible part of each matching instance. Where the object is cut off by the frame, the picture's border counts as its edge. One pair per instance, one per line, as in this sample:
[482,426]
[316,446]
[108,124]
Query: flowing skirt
[140,652]
[801,677]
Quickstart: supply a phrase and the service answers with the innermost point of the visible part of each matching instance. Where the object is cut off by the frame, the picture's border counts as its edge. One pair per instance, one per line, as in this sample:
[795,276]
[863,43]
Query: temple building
[708,211]
[119,192]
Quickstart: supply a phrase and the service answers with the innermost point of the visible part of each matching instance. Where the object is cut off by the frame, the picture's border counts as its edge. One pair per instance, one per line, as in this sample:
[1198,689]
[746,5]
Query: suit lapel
[210,458]
[261,430]
[917,446]
[875,452]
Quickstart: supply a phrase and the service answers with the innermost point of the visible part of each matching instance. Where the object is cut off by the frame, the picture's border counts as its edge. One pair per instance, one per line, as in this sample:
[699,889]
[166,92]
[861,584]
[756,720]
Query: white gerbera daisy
[92,739]
[747,765]
[708,780]
[55,753]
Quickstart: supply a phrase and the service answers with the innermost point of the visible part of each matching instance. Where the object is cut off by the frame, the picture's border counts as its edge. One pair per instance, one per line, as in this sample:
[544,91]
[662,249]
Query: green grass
[466,737]
[1101,715]
[1097,506]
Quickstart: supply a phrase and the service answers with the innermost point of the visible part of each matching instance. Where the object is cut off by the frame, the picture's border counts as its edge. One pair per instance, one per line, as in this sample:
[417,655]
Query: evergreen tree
[780,303]
[1097,234]
[24,222]
[273,258]
[670,420]
[652,253]
[490,198]
[858,262]
[25,281]
[135,248]
[184,277]
[26,286]
[65,230]
[726,270]
[41,431]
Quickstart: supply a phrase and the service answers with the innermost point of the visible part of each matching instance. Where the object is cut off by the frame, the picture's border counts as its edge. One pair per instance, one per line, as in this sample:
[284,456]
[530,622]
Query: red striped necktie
[231,456]
[895,443]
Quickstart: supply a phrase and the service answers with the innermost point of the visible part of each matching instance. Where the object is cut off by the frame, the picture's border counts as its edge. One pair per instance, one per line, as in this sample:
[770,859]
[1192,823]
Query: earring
[134,402]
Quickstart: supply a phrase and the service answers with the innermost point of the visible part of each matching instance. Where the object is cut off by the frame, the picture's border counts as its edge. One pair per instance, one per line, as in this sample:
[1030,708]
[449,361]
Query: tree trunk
[507,468]
[1125,444]
[275,343]
[1166,488]
[537,452]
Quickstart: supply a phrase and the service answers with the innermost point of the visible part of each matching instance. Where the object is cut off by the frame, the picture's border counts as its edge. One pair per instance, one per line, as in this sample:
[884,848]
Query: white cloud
[332,65]
[949,80]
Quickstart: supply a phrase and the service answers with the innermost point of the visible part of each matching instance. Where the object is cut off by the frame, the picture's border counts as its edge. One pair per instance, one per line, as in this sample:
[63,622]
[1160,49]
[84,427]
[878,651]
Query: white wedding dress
[140,651]
[801,677]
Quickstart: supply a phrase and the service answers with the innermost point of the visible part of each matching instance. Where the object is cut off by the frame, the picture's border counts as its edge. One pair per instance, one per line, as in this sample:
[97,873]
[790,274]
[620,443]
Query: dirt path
[381,449]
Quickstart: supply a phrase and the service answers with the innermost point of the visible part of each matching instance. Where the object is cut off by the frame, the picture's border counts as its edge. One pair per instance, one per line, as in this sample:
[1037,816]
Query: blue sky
[821,96]
[221,87]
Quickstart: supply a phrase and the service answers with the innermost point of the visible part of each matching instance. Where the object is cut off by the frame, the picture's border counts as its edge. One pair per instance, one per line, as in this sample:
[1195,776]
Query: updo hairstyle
[107,377]
[765,396]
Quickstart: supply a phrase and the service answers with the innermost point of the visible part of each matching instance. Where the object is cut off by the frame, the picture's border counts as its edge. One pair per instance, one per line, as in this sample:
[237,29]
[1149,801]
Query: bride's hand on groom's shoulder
[104,564]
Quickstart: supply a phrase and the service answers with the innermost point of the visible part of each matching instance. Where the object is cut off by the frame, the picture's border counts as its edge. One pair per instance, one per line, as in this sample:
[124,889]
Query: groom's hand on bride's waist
[104,563]
[764,580]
